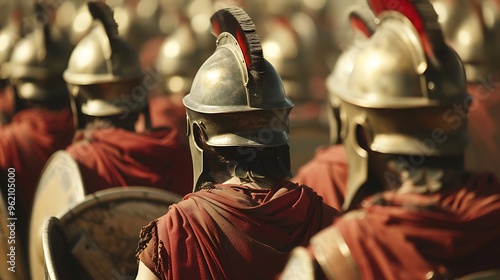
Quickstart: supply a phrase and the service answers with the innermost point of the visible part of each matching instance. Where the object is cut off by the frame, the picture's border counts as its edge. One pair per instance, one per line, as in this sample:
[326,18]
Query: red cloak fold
[26,144]
[116,157]
[6,104]
[326,174]
[410,235]
[483,125]
[233,232]
[168,111]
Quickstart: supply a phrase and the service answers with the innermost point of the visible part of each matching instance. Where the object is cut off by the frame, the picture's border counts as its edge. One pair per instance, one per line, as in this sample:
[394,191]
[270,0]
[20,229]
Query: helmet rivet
[431,275]
[431,86]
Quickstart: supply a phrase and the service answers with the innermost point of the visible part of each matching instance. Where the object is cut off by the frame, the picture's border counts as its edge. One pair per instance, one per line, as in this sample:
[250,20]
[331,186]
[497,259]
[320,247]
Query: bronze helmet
[10,34]
[37,63]
[237,97]
[402,91]
[472,28]
[104,74]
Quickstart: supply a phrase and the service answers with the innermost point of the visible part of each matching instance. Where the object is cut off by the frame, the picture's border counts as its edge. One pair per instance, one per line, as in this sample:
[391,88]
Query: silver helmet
[37,63]
[472,28]
[10,34]
[237,97]
[104,74]
[402,92]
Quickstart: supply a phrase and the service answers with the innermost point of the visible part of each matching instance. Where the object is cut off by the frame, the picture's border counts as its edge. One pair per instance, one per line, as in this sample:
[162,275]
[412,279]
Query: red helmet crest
[424,18]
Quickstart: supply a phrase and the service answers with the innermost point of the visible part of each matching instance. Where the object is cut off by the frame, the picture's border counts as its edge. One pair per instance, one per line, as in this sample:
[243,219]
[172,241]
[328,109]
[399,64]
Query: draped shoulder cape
[326,174]
[483,126]
[115,157]
[407,236]
[233,232]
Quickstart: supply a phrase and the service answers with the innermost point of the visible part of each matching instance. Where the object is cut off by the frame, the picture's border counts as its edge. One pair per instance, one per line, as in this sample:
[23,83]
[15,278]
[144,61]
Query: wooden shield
[60,187]
[103,230]
[12,262]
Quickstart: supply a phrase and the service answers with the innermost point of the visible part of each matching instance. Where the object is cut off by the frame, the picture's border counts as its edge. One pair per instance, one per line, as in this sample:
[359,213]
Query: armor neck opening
[416,173]
[265,165]
[96,123]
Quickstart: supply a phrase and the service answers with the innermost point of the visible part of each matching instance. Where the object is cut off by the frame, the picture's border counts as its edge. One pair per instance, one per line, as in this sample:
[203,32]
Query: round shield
[60,187]
[103,230]
[12,259]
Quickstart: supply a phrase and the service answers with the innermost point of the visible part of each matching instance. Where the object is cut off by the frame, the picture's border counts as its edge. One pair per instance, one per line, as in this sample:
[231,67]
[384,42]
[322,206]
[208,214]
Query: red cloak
[233,232]
[6,104]
[326,174]
[27,143]
[406,236]
[483,152]
[167,111]
[116,157]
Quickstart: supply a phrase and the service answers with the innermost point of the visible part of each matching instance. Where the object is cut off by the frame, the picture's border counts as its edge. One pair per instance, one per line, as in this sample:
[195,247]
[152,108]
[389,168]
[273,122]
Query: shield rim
[33,252]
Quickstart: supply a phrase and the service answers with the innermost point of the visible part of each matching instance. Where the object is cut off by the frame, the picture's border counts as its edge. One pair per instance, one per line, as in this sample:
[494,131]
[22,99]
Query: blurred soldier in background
[472,28]
[109,92]
[326,173]
[198,12]
[139,21]
[429,219]
[178,60]
[340,34]
[244,215]
[289,43]
[42,121]
[10,33]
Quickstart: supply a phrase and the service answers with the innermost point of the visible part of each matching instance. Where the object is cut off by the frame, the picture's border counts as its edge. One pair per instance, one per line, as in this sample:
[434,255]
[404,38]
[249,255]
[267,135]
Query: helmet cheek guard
[194,133]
